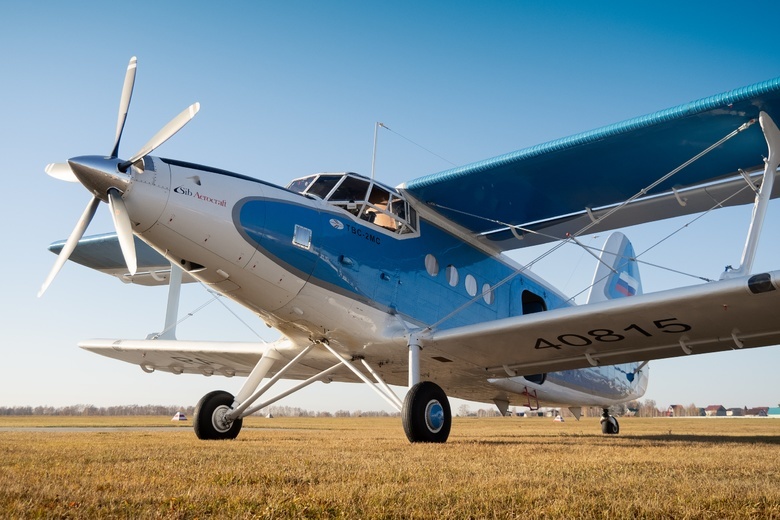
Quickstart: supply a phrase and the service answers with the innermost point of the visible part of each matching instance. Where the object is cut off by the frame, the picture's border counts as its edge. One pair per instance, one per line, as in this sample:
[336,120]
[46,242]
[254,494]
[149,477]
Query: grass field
[365,468]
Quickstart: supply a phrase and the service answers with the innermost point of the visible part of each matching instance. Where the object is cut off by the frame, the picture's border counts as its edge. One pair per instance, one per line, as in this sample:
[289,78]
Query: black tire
[609,426]
[426,413]
[208,423]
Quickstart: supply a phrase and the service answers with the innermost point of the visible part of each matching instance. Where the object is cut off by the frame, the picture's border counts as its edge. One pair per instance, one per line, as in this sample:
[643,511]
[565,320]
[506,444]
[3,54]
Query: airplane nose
[99,174]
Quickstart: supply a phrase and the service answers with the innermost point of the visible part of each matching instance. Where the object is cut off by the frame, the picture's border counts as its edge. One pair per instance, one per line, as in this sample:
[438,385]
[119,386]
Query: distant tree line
[88,409]
[645,408]
[288,411]
[170,410]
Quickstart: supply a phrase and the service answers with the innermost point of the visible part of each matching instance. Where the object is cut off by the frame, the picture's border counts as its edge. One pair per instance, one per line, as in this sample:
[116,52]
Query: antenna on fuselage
[373,156]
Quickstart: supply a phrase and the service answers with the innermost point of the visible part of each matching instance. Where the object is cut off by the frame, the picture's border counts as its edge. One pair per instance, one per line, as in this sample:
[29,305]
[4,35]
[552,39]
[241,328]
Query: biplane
[411,287]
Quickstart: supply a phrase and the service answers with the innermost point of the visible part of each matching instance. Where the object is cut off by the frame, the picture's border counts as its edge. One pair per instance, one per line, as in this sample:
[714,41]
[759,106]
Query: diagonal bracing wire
[215,296]
[644,191]
[417,145]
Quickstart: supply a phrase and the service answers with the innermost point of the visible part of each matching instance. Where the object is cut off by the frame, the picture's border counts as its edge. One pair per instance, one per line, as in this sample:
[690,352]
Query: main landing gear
[425,412]
[211,422]
[609,425]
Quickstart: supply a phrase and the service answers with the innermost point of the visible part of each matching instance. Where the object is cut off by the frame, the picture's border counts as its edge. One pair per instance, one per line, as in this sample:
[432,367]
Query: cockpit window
[351,189]
[300,185]
[363,198]
[324,185]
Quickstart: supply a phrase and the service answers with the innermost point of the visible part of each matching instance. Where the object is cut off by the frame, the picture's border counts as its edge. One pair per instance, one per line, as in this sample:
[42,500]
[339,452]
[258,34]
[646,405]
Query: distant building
[675,410]
[774,412]
[734,412]
[760,411]
[715,410]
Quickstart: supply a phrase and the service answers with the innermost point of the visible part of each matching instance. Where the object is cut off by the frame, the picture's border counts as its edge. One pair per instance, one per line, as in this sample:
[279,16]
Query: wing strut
[172,310]
[772,135]
[243,404]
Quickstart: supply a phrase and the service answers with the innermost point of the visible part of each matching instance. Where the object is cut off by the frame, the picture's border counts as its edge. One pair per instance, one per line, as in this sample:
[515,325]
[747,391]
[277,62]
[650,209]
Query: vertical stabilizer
[617,274]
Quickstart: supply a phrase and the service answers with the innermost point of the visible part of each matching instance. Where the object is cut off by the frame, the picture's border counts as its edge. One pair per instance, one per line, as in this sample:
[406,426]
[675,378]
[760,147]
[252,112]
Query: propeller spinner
[107,180]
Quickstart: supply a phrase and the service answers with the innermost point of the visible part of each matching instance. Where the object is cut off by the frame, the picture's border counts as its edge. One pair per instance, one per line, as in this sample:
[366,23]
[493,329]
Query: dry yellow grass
[364,468]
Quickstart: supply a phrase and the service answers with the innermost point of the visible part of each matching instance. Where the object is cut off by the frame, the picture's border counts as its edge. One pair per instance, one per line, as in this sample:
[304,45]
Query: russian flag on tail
[626,285]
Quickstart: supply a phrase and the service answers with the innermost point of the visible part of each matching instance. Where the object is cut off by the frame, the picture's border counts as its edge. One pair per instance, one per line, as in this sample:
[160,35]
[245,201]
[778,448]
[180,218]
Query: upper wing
[102,253]
[553,186]
[724,315]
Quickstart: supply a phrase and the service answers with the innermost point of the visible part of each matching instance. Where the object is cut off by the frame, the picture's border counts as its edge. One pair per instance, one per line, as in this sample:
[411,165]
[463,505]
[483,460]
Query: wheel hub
[434,416]
[219,419]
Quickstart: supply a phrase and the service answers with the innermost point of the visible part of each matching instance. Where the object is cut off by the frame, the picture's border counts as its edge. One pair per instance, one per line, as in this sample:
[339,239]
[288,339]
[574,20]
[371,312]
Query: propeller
[106,179]
[173,126]
[124,103]
[61,171]
[123,228]
[70,244]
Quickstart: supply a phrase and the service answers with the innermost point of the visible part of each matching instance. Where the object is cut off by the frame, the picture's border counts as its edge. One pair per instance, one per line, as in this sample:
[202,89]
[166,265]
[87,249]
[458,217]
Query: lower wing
[723,315]
[209,357]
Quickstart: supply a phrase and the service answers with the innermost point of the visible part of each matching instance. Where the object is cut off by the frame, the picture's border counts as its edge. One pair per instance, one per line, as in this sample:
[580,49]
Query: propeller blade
[70,244]
[61,171]
[176,124]
[124,103]
[123,228]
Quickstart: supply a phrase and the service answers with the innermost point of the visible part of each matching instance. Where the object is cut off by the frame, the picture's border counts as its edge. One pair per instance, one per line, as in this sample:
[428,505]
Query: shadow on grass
[625,441]
[708,438]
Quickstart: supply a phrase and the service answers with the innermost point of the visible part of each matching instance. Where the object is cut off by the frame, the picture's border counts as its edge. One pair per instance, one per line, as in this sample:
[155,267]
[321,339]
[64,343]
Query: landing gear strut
[210,421]
[609,425]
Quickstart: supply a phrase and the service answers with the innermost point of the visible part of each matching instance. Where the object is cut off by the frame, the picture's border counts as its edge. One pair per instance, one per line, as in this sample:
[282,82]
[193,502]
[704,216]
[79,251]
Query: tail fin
[617,274]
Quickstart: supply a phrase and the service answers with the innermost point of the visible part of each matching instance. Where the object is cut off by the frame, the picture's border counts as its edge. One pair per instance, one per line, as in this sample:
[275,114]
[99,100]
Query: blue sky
[292,88]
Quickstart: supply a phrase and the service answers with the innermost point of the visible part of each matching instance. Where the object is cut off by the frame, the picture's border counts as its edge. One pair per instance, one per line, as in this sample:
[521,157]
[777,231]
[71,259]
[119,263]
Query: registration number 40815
[666,326]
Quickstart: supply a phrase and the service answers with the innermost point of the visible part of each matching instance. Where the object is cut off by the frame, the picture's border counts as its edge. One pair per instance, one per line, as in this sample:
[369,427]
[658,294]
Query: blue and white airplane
[409,286]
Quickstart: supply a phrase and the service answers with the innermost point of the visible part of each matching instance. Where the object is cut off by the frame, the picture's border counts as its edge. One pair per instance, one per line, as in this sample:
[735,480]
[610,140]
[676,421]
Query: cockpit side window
[388,210]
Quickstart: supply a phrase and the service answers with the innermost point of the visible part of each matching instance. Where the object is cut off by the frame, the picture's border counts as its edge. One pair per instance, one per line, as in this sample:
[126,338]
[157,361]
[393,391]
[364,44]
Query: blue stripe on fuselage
[382,269]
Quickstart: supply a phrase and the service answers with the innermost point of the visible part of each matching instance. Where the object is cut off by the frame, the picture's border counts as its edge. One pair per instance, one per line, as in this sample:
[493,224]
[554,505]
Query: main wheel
[426,413]
[210,422]
[609,425]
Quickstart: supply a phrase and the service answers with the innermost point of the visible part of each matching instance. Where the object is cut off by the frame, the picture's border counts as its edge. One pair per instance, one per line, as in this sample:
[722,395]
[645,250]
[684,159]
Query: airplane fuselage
[355,275]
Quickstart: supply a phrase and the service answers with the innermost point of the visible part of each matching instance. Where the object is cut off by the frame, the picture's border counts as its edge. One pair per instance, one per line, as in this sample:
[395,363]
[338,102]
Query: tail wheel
[426,413]
[609,425]
[210,422]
